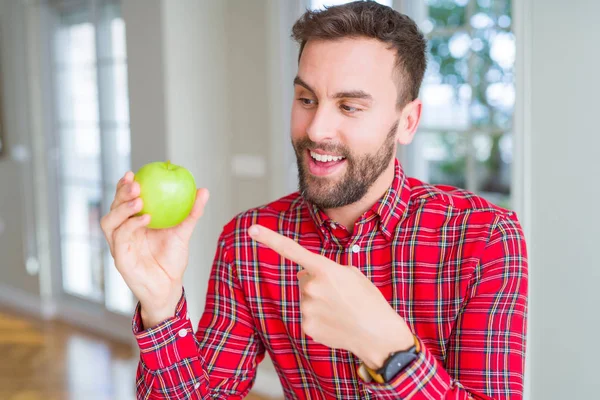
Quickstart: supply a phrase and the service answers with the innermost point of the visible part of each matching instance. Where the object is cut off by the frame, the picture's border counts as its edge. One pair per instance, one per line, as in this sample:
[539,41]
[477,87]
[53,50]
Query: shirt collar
[390,209]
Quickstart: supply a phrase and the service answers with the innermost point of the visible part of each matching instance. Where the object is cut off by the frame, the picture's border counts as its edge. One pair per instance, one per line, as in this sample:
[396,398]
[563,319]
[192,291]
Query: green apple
[168,192]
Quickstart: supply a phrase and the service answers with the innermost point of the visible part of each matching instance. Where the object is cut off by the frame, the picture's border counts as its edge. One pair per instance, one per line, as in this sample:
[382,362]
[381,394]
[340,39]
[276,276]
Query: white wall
[562,88]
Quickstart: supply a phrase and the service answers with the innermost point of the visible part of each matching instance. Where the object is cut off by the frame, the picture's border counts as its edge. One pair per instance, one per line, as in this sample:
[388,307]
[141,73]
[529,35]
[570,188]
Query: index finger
[125,179]
[127,189]
[285,246]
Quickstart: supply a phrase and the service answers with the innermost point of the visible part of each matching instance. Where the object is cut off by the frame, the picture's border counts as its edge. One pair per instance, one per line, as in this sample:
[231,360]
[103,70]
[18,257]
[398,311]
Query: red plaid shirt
[450,263]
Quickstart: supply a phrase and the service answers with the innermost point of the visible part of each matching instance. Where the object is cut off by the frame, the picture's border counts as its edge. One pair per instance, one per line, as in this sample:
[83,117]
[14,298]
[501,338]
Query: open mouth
[323,164]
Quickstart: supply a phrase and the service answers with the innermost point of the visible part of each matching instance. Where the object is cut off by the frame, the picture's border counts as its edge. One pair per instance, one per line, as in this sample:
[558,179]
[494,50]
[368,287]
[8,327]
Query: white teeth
[325,157]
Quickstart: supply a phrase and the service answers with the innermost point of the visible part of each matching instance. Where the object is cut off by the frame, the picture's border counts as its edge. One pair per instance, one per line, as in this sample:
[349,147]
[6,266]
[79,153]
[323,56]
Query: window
[320,4]
[92,129]
[465,137]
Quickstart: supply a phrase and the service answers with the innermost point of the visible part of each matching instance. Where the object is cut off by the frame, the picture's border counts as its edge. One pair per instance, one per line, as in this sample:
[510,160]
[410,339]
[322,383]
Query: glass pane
[116,137]
[500,91]
[499,199]
[469,84]
[93,130]
[320,4]
[75,40]
[82,240]
[82,267]
[119,157]
[442,158]
[80,155]
[123,149]
[492,13]
[118,296]
[121,95]
[117,34]
[446,94]
[501,99]
[78,94]
[445,106]
[493,155]
[81,211]
[493,78]
[448,57]
[445,14]
[115,108]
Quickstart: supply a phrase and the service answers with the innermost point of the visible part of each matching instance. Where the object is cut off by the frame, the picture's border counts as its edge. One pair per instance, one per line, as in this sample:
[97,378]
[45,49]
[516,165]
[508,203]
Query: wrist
[392,337]
[153,314]
[396,362]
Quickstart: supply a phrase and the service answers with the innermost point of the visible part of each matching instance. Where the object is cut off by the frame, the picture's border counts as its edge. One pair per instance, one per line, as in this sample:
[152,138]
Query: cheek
[365,136]
[362,136]
[300,120]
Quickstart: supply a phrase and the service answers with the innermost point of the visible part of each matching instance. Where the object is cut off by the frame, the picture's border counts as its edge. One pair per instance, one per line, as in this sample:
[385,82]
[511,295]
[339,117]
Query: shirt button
[355,248]
[332,225]
[196,385]
[182,333]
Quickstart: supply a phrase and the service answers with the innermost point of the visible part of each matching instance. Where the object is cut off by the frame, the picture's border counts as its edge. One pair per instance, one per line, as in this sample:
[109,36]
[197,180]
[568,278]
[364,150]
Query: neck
[348,215]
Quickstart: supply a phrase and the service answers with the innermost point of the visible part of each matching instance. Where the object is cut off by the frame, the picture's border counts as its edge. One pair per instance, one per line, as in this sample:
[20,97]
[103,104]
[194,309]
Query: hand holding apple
[152,261]
[168,192]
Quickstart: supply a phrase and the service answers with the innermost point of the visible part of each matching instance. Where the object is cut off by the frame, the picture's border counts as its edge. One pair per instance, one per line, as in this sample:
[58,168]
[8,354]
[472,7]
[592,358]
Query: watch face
[397,363]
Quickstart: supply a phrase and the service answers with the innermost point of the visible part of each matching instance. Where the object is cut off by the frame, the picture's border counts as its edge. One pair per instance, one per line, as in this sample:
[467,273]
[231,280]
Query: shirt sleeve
[218,361]
[486,350]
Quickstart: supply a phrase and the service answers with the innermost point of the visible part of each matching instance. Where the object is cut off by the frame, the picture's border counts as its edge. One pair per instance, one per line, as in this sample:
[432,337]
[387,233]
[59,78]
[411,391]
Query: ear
[410,116]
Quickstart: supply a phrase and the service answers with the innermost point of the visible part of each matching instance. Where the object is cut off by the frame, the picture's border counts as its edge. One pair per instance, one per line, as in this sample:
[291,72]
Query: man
[365,283]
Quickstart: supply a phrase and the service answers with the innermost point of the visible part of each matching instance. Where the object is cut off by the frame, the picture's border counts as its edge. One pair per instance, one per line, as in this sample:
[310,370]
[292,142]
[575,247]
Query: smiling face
[345,120]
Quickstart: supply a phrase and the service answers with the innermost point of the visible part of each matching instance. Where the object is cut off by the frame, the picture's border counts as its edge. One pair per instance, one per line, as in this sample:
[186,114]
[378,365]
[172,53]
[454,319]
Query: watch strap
[392,366]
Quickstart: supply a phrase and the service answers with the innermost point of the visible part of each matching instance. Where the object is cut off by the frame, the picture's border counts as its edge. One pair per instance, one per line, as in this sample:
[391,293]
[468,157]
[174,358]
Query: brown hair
[372,20]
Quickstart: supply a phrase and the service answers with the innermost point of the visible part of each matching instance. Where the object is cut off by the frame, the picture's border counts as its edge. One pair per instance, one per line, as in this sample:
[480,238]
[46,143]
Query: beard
[361,172]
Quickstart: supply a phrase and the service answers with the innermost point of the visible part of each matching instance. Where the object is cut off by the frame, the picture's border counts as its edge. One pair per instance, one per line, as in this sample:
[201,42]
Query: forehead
[348,63]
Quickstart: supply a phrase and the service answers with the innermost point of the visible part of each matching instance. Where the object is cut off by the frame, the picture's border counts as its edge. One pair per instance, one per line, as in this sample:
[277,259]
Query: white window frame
[72,308]
[470,132]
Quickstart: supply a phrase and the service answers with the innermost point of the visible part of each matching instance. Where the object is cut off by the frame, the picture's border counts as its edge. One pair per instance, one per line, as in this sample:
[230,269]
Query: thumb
[186,227]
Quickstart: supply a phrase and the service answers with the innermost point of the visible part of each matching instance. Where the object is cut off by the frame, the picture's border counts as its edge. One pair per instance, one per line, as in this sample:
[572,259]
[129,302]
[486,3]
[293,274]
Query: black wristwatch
[392,366]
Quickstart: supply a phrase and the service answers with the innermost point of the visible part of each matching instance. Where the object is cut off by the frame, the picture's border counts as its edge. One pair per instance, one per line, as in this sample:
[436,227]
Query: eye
[307,102]
[349,109]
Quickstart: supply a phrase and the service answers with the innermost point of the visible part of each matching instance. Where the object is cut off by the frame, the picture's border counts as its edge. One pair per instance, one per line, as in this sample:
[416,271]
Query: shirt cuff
[167,343]
[422,379]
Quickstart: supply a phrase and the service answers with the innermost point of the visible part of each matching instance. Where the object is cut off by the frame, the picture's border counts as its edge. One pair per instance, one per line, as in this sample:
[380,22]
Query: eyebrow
[349,94]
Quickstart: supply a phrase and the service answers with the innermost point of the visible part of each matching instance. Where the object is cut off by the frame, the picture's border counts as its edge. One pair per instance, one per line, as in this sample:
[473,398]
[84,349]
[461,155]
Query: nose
[323,126]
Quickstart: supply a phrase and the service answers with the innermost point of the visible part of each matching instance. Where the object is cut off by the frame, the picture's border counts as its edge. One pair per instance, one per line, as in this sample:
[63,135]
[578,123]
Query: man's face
[345,121]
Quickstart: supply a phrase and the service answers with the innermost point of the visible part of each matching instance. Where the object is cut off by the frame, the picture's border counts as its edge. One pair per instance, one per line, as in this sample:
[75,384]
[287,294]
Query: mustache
[307,144]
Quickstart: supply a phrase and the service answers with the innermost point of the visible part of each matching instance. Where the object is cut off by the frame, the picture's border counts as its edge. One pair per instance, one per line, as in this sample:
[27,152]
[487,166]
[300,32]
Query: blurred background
[93,88]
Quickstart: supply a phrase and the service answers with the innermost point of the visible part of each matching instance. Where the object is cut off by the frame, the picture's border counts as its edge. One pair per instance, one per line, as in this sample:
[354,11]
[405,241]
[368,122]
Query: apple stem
[168,164]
